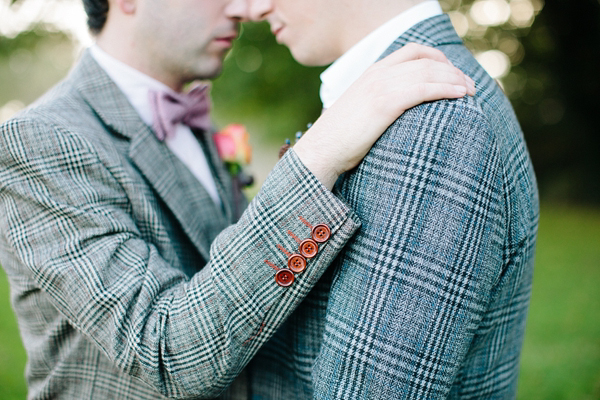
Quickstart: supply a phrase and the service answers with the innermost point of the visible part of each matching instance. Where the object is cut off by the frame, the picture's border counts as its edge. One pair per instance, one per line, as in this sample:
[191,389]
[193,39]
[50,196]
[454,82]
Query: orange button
[297,263]
[284,277]
[309,248]
[321,233]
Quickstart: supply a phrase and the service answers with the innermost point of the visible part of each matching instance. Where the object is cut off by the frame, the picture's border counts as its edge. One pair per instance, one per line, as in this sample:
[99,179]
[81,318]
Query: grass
[12,354]
[561,356]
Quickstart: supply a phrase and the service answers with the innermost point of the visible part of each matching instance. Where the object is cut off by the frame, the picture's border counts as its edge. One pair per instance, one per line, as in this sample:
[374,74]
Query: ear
[126,6]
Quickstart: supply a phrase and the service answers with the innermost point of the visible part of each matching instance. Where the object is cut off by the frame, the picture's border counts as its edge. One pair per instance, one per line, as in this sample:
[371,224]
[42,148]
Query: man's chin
[215,74]
[206,73]
[311,59]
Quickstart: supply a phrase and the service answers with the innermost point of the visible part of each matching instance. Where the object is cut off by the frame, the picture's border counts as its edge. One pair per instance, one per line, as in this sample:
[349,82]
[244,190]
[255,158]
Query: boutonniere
[288,144]
[235,151]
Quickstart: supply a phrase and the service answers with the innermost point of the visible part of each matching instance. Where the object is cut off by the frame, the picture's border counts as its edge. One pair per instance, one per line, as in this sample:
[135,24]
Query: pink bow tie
[169,109]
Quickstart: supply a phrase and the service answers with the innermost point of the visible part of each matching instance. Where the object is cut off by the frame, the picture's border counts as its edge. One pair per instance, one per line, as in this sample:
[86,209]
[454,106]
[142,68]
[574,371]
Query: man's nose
[238,10]
[259,9]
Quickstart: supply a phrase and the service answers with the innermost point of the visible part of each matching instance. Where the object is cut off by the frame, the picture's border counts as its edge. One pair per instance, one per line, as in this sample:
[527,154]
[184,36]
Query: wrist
[320,166]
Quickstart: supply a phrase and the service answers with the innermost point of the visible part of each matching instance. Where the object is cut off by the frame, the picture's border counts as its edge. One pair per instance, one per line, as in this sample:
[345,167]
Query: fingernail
[460,90]
[471,85]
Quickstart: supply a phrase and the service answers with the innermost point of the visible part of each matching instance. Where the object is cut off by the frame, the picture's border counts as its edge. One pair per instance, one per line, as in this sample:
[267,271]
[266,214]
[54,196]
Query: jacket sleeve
[413,285]
[67,218]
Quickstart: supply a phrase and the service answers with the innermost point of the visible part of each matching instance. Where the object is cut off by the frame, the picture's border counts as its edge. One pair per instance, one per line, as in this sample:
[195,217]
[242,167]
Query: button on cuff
[321,233]
[284,277]
[309,248]
[297,263]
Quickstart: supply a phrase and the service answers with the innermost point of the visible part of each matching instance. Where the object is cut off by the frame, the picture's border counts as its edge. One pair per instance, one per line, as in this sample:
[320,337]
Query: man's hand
[344,134]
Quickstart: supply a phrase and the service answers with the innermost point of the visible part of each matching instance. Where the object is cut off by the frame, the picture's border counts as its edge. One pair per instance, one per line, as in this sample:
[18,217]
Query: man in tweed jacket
[429,299]
[121,286]
[109,230]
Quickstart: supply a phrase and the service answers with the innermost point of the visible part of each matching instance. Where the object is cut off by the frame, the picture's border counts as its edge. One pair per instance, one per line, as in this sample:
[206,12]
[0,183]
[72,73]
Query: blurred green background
[544,55]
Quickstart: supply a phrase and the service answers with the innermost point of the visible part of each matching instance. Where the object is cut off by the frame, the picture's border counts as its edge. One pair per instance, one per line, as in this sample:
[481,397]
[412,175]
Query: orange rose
[232,144]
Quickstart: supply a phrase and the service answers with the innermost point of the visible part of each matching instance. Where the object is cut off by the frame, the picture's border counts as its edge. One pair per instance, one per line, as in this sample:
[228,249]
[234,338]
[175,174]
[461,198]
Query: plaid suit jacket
[429,299]
[126,279]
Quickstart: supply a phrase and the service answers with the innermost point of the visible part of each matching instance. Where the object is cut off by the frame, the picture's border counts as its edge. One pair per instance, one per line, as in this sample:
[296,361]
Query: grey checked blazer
[429,299]
[125,278]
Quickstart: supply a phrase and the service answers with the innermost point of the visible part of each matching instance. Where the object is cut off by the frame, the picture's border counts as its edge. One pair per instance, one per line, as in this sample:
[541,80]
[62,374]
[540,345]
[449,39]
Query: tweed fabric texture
[123,285]
[429,299]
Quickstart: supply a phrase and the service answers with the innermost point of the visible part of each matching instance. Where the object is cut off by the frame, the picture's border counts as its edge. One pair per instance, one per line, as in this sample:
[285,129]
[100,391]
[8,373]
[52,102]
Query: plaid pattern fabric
[429,299]
[121,283]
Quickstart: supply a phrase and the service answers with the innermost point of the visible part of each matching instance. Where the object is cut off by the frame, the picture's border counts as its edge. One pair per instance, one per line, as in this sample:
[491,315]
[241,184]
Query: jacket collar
[433,32]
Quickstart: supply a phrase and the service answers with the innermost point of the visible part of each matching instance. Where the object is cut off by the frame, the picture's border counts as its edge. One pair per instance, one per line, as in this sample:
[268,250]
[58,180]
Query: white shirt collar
[341,74]
[133,83]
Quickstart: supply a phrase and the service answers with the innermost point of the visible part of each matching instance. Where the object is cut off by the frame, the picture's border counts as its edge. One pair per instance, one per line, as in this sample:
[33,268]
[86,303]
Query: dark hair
[96,10]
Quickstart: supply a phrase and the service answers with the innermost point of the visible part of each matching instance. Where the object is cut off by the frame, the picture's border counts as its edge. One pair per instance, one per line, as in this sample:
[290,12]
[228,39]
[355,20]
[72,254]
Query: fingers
[424,92]
[431,60]
[471,90]
[427,71]
[413,51]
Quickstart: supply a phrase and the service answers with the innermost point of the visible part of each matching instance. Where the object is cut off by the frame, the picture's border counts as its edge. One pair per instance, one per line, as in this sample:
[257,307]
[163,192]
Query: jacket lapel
[222,178]
[184,195]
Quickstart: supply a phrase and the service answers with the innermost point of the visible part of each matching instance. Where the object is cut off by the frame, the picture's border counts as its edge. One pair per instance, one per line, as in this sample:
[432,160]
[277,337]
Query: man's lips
[226,39]
[277,31]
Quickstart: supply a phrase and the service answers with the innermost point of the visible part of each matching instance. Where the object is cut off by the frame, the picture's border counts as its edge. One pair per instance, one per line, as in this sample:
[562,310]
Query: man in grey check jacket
[429,299]
[122,285]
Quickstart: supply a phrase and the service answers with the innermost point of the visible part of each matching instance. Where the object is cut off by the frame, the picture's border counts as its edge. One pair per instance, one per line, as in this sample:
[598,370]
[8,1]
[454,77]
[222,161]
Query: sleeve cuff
[291,202]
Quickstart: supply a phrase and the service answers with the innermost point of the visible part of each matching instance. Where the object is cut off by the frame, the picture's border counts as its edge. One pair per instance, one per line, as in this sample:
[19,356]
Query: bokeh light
[522,13]
[490,12]
[490,28]
[495,62]
[460,22]
[61,15]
